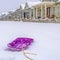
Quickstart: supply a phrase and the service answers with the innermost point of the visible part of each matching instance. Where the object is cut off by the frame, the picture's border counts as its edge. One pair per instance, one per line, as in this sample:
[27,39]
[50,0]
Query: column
[45,11]
[22,15]
[41,12]
[34,13]
[30,13]
[55,12]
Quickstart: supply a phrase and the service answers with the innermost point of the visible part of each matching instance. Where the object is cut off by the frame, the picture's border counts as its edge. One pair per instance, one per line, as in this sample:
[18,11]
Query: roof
[26,6]
[43,4]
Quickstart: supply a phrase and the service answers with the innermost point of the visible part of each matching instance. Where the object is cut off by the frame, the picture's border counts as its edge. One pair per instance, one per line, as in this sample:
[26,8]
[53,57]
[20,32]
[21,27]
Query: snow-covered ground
[46,40]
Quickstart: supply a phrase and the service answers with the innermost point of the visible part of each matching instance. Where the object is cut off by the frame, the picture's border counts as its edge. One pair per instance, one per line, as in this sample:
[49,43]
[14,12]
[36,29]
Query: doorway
[48,12]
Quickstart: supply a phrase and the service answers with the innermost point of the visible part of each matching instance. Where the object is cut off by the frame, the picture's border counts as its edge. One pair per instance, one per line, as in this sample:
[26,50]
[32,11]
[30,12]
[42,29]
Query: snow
[46,40]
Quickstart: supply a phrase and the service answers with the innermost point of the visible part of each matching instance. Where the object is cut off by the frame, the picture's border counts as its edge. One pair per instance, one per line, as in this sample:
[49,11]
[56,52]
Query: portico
[44,10]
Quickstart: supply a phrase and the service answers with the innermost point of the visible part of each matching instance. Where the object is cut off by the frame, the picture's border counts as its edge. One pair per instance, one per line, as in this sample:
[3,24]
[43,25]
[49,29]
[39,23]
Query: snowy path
[46,36]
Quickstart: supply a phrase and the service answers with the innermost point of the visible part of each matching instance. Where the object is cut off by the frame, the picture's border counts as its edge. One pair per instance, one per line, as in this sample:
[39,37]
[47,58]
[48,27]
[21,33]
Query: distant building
[27,12]
[46,10]
[19,14]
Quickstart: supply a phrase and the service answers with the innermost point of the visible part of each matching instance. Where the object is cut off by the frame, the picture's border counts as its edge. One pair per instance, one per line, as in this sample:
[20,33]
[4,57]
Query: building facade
[44,10]
[47,9]
[27,12]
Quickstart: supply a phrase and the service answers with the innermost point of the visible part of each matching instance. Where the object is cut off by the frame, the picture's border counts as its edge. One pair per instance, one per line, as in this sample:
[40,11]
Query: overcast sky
[7,5]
